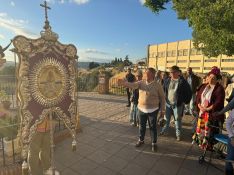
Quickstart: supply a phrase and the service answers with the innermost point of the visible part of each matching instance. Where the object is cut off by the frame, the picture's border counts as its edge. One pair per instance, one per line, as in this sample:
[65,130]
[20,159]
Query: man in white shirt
[151,95]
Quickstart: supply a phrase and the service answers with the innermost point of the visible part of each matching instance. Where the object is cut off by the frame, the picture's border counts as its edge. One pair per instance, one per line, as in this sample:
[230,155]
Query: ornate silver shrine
[46,77]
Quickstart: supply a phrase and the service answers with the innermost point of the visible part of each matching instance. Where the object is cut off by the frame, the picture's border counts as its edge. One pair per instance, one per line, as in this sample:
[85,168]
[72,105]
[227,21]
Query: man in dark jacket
[178,93]
[193,82]
[130,78]
[134,119]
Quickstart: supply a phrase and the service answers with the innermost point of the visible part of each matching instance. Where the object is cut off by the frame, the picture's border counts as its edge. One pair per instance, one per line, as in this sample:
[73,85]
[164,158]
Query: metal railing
[10,147]
[91,84]
[8,85]
[115,89]
[87,84]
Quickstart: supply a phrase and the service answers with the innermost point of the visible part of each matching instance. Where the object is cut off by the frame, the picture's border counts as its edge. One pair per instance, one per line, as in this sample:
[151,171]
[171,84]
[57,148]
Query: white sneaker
[154,147]
[178,138]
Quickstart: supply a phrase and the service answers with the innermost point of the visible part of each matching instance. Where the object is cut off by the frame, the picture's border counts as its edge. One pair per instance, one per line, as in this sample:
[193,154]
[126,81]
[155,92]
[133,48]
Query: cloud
[79,2]
[50,1]
[61,1]
[142,2]
[118,50]
[93,55]
[12,4]
[94,59]
[126,44]
[17,26]
[94,51]
[2,36]
[3,14]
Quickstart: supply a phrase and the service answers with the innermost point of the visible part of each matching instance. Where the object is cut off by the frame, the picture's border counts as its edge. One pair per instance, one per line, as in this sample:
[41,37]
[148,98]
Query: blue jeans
[143,117]
[134,113]
[177,112]
[230,156]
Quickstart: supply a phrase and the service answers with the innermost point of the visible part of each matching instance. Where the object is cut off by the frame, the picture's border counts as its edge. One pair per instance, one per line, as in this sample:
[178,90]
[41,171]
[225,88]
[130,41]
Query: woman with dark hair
[210,99]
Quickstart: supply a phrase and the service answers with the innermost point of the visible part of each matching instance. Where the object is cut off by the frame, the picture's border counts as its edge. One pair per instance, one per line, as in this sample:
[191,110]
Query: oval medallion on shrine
[49,82]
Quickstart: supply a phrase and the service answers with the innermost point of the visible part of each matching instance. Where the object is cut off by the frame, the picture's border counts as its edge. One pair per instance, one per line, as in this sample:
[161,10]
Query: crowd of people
[157,96]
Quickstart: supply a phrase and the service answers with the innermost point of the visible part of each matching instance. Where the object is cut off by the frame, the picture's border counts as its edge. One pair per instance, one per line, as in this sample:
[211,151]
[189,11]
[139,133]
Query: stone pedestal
[8,146]
[103,86]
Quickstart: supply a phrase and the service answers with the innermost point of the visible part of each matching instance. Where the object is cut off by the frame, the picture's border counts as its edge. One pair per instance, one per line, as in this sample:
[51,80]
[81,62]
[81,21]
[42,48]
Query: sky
[100,29]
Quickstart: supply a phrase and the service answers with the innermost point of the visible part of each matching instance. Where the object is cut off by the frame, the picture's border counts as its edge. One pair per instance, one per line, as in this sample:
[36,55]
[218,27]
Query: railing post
[3,153]
[13,149]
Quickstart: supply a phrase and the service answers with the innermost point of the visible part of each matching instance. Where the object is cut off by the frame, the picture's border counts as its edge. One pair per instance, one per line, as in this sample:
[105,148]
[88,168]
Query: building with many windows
[184,55]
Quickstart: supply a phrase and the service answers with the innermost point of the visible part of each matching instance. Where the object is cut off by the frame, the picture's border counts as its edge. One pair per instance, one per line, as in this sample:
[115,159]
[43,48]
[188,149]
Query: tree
[212,22]
[93,65]
[126,61]
[156,5]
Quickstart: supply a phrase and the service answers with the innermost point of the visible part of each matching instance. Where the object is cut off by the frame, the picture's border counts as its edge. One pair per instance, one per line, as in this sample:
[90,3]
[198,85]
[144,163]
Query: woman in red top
[209,99]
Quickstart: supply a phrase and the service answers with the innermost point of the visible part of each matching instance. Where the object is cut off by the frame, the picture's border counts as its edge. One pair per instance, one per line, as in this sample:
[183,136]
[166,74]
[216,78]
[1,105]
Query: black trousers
[129,95]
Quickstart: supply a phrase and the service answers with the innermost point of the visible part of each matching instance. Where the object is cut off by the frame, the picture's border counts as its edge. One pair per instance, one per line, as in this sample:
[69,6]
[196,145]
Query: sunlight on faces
[174,74]
[139,77]
[189,70]
[205,79]
[149,75]
[212,79]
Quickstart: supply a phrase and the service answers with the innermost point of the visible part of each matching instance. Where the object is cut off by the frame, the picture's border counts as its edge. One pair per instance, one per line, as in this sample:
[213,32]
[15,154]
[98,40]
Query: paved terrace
[106,145]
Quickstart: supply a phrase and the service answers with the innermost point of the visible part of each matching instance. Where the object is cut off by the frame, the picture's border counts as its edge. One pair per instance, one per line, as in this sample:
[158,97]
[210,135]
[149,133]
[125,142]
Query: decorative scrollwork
[25,132]
[71,51]
[22,44]
[72,78]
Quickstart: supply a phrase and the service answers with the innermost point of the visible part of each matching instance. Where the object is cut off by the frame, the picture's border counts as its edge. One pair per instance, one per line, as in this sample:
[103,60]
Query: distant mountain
[85,65]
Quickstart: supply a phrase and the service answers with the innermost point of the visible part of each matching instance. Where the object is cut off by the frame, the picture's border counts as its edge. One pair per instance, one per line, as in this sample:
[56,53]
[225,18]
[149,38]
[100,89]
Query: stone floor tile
[146,160]
[59,166]
[133,169]
[127,153]
[69,171]
[102,171]
[99,156]
[115,163]
[112,147]
[85,150]
[168,164]
[84,167]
